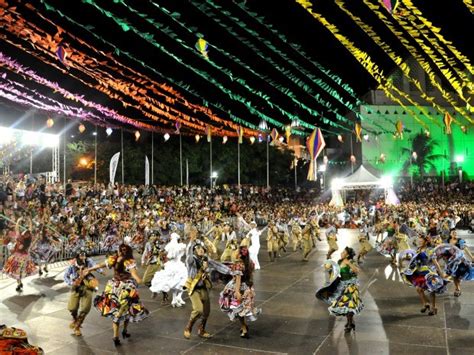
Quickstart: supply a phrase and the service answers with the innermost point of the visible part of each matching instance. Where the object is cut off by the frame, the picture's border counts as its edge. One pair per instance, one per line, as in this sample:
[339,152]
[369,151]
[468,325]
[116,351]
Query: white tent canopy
[362,179]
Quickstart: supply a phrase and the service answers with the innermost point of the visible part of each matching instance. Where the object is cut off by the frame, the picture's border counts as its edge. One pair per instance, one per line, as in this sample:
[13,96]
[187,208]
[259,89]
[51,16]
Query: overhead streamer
[82,63]
[469,5]
[307,74]
[285,91]
[186,87]
[396,58]
[365,60]
[419,58]
[433,35]
[12,65]
[123,24]
[108,92]
[288,74]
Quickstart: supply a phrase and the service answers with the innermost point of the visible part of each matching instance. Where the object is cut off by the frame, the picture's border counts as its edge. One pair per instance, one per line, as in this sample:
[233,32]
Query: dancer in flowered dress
[20,264]
[342,292]
[424,273]
[237,299]
[43,250]
[120,300]
[459,264]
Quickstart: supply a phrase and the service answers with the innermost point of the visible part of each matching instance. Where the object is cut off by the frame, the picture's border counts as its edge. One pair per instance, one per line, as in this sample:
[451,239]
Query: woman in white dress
[174,273]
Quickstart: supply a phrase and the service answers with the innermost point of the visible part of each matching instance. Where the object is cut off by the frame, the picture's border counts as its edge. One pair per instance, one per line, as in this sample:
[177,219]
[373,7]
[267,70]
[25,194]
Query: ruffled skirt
[173,276]
[342,296]
[245,307]
[19,266]
[43,253]
[121,302]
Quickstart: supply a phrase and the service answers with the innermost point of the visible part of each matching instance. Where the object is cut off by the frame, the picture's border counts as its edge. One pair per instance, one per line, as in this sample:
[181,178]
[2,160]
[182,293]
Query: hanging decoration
[240,134]
[49,122]
[325,159]
[204,9]
[390,5]
[427,133]
[339,138]
[117,85]
[426,65]
[395,57]
[353,159]
[202,46]
[108,131]
[399,128]
[464,129]
[365,60]
[274,134]
[197,137]
[288,133]
[382,158]
[447,120]
[224,140]
[166,136]
[315,145]
[177,125]
[208,133]
[358,131]
[433,35]
[137,135]
[61,54]
[82,128]
[252,140]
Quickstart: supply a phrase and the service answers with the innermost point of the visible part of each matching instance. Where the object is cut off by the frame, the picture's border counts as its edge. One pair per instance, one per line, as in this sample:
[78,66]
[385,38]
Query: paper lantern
[166,136]
[224,140]
[108,131]
[339,138]
[137,135]
[82,128]
[252,140]
[197,137]
[49,122]
[353,159]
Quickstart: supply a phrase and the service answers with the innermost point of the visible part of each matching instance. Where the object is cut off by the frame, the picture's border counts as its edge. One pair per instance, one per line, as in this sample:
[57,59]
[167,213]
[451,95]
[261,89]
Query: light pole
[214,177]
[296,175]
[459,161]
[95,157]
[413,156]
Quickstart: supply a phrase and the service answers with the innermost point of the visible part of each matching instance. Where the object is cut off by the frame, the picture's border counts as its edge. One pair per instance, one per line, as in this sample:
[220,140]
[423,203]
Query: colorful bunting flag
[399,127]
[208,133]
[447,122]
[315,145]
[274,134]
[358,131]
[240,134]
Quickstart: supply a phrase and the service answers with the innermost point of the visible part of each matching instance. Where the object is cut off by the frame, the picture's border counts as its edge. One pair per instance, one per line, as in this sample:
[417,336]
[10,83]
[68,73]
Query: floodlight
[386,181]
[336,183]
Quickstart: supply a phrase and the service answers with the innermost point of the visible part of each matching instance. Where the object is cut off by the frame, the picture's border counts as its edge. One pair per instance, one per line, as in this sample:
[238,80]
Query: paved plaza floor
[293,320]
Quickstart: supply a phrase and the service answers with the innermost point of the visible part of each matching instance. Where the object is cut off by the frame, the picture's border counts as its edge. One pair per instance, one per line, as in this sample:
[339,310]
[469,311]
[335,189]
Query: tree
[424,147]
